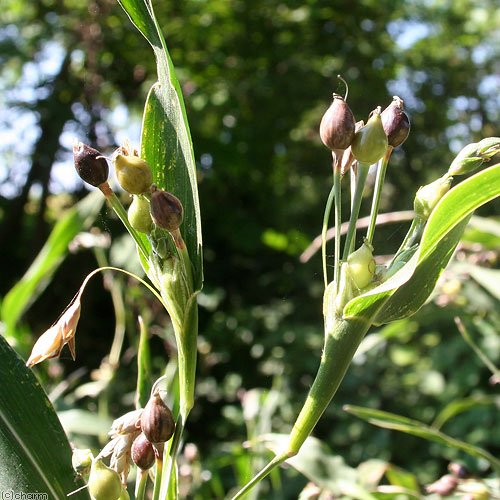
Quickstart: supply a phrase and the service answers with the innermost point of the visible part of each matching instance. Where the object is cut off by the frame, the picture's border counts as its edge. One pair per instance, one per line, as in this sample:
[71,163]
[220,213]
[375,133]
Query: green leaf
[462,405]
[139,14]
[166,140]
[414,427]
[405,292]
[39,274]
[319,465]
[35,455]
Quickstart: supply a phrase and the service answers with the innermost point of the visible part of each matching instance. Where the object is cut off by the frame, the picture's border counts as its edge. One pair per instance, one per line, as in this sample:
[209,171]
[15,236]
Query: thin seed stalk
[356,204]
[324,230]
[119,209]
[340,346]
[382,168]
[338,218]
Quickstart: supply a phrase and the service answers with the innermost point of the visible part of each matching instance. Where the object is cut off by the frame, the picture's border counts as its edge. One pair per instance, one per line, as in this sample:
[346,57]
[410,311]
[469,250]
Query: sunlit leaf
[35,455]
[408,289]
[414,427]
[39,274]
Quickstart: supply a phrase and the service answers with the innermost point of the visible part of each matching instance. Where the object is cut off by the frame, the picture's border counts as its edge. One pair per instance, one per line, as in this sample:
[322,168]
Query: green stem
[158,476]
[338,219]
[382,168]
[275,462]
[340,346]
[465,334]
[356,204]
[141,481]
[324,230]
[173,450]
[122,214]
[339,349]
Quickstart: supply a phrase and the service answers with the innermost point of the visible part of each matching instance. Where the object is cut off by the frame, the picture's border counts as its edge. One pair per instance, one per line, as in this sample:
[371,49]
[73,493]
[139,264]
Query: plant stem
[466,336]
[338,218]
[122,214]
[324,230]
[340,346]
[172,455]
[141,481]
[339,349]
[275,462]
[382,168]
[158,476]
[363,169]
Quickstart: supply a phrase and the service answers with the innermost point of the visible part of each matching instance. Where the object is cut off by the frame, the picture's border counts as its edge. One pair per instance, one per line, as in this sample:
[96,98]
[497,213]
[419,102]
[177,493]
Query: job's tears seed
[90,164]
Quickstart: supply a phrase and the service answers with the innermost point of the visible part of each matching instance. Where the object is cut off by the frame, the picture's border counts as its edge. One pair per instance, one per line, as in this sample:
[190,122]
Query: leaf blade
[35,455]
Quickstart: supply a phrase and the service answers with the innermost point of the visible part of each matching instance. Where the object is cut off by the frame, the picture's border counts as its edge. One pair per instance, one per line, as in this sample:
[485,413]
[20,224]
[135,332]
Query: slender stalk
[356,204]
[466,336]
[338,218]
[122,214]
[173,450]
[140,485]
[324,230]
[158,477]
[340,346]
[275,462]
[382,168]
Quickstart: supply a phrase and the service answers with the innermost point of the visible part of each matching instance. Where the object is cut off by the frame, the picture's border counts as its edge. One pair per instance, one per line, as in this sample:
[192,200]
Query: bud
[166,209]
[395,122]
[51,342]
[337,125]
[133,174]
[124,495]
[139,216]
[473,155]
[428,197]
[143,454]
[443,486]
[157,421]
[90,164]
[370,142]
[459,470]
[81,460]
[362,265]
[104,483]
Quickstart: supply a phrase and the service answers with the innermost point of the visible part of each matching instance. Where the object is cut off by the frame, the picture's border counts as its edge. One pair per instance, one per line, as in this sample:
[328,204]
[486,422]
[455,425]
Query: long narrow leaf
[35,455]
[50,257]
[414,427]
[408,289]
[166,140]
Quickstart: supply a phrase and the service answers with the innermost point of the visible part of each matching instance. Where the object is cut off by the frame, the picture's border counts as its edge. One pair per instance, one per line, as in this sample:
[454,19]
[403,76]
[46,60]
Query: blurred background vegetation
[257,77]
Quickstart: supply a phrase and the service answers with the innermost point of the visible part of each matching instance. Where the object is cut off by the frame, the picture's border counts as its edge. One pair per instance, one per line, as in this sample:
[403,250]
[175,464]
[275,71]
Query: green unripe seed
[370,142]
[428,196]
[81,460]
[133,174]
[362,265]
[124,495]
[104,483]
[139,216]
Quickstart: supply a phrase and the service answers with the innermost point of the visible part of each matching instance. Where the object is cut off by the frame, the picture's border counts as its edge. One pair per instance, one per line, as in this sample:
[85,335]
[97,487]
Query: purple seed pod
[157,421]
[337,125]
[143,453]
[90,164]
[166,209]
[395,122]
